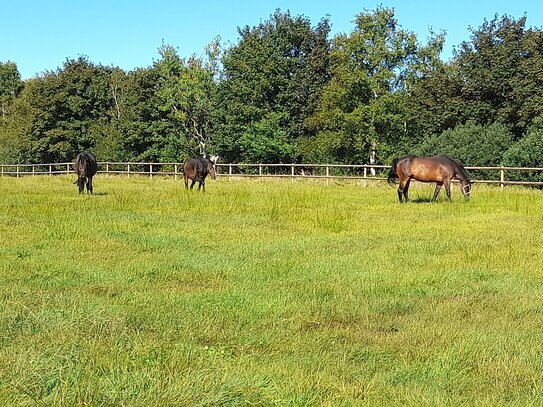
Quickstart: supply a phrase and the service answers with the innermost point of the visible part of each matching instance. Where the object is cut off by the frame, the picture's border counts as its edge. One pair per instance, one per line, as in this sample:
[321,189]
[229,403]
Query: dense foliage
[287,92]
[471,143]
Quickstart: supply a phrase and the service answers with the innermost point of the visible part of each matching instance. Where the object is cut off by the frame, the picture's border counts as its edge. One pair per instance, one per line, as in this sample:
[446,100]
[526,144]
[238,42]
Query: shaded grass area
[268,293]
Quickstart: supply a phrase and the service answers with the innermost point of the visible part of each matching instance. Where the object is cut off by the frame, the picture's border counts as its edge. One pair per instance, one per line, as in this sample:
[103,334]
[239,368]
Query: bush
[528,152]
[472,144]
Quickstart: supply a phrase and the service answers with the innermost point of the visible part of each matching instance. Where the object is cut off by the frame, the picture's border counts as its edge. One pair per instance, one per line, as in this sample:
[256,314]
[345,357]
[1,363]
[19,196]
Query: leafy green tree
[64,109]
[266,140]
[10,85]
[187,90]
[363,104]
[271,84]
[435,103]
[144,125]
[15,143]
[107,130]
[11,140]
[494,77]
[501,69]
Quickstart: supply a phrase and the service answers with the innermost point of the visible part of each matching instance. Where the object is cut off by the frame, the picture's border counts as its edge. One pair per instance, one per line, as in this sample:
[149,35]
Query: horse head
[466,188]
[463,177]
[211,166]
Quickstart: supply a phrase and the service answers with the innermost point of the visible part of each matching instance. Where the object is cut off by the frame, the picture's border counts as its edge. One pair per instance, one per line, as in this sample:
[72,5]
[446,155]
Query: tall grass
[268,293]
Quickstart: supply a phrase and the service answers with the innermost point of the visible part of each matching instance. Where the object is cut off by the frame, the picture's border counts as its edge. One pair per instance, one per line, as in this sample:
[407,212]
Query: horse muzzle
[466,190]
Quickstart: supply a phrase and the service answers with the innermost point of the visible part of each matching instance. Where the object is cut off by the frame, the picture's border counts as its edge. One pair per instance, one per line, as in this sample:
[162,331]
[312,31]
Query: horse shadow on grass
[423,200]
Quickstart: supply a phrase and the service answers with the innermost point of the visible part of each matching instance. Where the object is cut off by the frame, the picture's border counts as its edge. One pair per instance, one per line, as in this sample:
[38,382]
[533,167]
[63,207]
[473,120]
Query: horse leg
[447,184]
[81,184]
[406,190]
[89,185]
[438,187]
[401,188]
[192,184]
[186,182]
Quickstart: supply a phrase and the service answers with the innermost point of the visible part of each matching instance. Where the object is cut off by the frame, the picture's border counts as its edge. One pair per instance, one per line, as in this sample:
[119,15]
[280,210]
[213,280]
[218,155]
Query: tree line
[288,92]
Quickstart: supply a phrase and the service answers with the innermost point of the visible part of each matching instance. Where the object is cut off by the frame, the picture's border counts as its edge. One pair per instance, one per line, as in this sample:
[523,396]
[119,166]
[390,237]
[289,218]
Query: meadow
[268,293]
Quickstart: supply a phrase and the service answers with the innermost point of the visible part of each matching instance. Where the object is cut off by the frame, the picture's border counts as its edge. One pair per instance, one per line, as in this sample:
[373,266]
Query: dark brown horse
[197,169]
[85,167]
[440,169]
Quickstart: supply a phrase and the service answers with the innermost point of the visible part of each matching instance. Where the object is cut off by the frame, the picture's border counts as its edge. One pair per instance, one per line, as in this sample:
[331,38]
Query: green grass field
[268,293]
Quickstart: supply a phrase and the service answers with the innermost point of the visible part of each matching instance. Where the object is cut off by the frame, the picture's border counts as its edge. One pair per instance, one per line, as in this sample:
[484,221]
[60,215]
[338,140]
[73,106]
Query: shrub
[528,152]
[472,144]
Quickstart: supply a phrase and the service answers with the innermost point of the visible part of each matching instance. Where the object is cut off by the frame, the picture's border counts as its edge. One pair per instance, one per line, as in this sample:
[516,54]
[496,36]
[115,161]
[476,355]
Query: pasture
[268,293]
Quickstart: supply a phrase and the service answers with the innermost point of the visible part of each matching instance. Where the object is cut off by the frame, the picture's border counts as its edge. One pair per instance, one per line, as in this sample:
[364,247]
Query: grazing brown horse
[85,167]
[196,169]
[439,169]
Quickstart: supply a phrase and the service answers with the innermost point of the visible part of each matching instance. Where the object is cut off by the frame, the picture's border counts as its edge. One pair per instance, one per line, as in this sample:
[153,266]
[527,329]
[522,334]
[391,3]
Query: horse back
[194,169]
[433,169]
[85,164]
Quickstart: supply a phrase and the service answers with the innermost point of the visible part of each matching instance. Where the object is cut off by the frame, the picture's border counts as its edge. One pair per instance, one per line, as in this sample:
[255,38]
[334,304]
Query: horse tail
[392,175]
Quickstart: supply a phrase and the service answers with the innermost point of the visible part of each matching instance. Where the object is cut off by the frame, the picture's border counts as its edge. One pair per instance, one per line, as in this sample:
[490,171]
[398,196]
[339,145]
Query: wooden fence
[498,175]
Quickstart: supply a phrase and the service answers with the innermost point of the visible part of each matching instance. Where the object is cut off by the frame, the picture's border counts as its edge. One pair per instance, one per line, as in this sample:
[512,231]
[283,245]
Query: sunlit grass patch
[268,292]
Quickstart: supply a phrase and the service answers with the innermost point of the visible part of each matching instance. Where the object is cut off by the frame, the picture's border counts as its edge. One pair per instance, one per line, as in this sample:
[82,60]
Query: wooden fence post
[365,175]
[502,176]
[175,171]
[151,171]
[50,169]
[128,170]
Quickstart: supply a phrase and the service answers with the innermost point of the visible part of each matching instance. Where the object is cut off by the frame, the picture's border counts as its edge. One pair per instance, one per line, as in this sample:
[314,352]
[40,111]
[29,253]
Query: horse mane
[80,159]
[79,162]
[84,156]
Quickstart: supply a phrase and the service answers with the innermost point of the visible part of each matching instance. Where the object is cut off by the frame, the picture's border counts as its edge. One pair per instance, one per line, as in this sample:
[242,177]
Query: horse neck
[461,175]
[464,180]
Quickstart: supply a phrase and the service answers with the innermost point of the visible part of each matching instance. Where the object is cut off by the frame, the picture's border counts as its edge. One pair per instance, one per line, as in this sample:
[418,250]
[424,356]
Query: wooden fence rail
[261,170]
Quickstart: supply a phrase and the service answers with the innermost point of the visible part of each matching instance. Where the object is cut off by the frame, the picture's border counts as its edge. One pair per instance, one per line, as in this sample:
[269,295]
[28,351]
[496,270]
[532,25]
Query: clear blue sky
[39,35]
